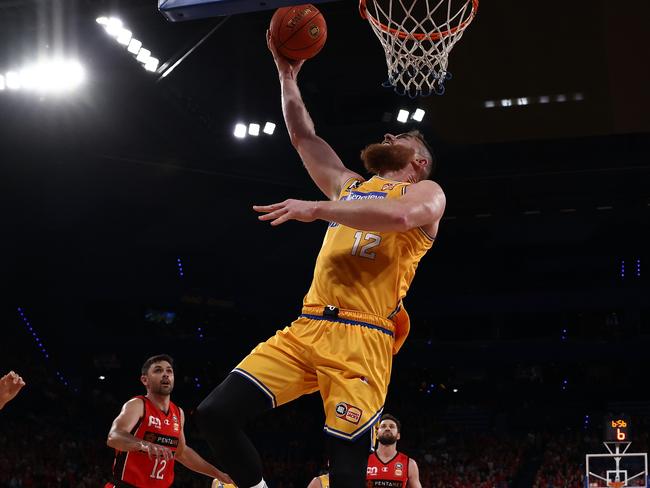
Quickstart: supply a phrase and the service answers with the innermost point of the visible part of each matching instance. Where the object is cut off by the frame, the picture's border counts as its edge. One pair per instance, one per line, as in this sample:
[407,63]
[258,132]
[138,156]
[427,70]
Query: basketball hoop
[616,484]
[417,37]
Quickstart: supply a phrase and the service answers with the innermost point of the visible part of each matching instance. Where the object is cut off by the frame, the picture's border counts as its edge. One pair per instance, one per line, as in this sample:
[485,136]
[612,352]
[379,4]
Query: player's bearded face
[387,438]
[160,378]
[163,386]
[380,158]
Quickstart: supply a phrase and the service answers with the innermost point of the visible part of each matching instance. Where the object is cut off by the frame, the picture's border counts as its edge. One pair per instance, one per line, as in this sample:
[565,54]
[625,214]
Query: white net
[417,37]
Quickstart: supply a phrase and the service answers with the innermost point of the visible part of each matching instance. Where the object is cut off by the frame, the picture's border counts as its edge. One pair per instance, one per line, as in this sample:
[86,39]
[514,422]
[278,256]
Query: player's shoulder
[181,413]
[135,402]
[315,482]
[427,185]
[352,182]
[134,407]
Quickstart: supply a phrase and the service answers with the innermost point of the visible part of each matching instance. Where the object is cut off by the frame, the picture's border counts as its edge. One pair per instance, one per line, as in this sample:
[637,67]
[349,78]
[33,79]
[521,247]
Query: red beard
[382,158]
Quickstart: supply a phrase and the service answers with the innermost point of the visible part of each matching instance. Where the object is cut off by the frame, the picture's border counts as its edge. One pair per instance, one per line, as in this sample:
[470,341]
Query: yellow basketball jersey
[324,480]
[367,271]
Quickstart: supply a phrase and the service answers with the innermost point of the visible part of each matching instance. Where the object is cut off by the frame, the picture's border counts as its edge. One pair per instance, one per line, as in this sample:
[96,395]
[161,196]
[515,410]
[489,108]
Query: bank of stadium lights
[253,129]
[541,100]
[124,37]
[46,76]
[404,115]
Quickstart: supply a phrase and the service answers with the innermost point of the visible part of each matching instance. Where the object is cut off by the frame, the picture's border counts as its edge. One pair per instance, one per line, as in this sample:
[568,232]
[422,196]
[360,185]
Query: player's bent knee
[231,404]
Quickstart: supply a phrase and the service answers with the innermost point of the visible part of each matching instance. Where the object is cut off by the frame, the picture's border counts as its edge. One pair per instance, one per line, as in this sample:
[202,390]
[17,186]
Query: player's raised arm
[120,437]
[322,163]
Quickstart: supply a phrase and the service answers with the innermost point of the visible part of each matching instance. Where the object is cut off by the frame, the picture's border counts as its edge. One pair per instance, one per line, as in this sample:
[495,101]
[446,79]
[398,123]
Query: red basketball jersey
[393,474]
[135,468]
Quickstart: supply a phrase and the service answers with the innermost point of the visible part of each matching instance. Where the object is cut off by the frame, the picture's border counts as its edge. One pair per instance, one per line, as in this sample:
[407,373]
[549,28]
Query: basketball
[298,32]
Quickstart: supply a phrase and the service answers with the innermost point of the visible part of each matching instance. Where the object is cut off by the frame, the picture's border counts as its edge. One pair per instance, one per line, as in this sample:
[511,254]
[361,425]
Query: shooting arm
[322,163]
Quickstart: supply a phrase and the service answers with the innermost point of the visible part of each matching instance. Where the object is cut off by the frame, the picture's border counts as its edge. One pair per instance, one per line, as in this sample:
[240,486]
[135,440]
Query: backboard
[616,470]
[181,10]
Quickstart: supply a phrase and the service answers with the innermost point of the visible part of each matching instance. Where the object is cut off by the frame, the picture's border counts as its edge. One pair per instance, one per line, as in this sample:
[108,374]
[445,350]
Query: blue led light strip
[179,263]
[39,343]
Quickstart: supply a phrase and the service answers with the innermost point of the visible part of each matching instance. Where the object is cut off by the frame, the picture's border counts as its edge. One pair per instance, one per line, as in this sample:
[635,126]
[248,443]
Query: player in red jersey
[387,467]
[148,436]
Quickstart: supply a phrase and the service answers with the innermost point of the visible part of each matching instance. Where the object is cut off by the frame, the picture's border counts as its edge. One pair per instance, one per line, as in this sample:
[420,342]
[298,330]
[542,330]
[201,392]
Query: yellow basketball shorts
[347,357]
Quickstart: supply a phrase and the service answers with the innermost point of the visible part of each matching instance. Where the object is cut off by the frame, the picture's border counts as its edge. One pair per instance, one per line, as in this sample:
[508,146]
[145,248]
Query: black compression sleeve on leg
[221,418]
[348,461]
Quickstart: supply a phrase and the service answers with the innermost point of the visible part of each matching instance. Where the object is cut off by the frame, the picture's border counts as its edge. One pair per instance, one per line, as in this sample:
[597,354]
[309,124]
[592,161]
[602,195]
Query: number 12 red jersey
[135,468]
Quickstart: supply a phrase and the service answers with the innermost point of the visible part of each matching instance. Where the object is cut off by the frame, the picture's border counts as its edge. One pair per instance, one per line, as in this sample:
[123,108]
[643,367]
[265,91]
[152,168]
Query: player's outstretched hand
[286,67]
[155,451]
[279,213]
[10,385]
[221,480]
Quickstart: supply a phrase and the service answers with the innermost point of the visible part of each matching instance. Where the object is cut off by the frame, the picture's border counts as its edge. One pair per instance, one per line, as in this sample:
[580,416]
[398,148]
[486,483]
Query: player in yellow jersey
[353,319]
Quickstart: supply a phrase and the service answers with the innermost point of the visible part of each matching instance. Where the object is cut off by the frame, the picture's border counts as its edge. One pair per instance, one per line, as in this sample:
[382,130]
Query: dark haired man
[148,435]
[387,467]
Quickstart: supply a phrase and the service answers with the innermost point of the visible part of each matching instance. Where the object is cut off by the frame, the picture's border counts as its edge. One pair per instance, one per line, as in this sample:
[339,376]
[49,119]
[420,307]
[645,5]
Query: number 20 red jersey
[135,469]
[393,474]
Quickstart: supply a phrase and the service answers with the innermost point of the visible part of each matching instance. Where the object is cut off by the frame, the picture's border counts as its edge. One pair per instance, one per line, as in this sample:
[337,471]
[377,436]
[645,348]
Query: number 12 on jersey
[364,251]
[158,471]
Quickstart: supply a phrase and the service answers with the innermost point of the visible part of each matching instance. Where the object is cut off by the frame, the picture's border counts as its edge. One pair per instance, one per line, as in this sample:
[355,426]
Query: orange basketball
[298,32]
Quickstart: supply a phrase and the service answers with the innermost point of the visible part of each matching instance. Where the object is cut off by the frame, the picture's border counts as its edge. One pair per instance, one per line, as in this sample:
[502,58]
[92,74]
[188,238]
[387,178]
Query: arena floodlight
[54,76]
[254,129]
[113,27]
[75,74]
[490,104]
[240,131]
[506,102]
[544,99]
[134,46]
[402,116]
[143,55]
[418,115]
[124,37]
[151,64]
[102,377]
[522,101]
[102,20]
[269,128]
[13,81]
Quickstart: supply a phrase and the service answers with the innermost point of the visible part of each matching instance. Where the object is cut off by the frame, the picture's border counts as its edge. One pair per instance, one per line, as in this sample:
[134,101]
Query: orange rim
[363,10]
